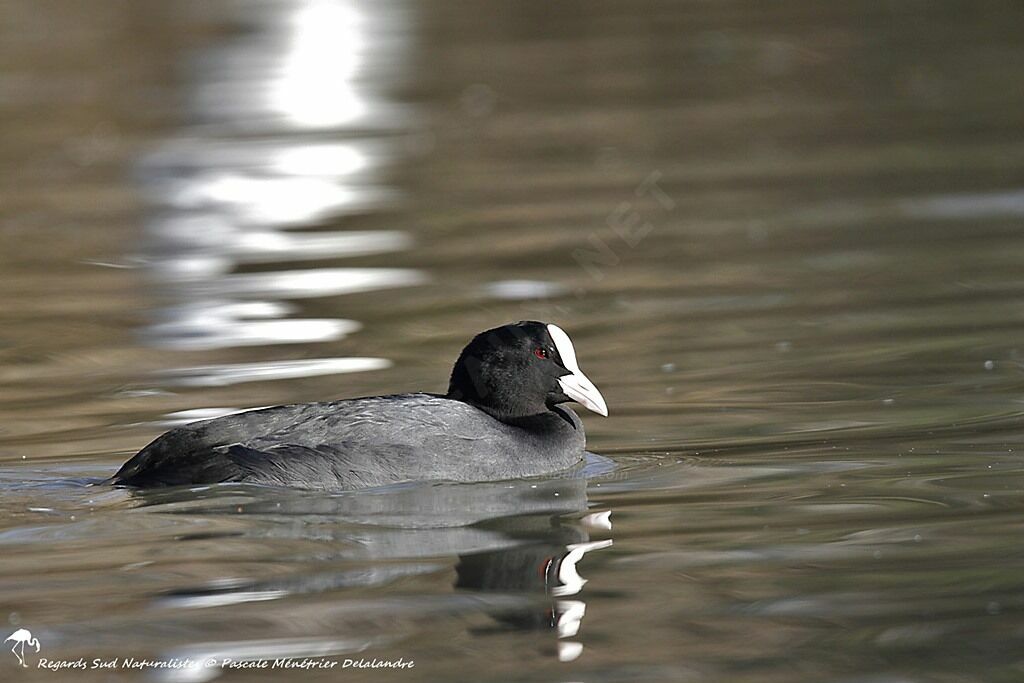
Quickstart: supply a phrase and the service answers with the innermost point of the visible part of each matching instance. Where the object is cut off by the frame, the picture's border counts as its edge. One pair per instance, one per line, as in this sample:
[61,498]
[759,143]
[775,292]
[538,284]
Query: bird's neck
[509,412]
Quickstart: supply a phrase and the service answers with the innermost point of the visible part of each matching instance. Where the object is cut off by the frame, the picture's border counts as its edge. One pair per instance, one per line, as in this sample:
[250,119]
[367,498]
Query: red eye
[541,353]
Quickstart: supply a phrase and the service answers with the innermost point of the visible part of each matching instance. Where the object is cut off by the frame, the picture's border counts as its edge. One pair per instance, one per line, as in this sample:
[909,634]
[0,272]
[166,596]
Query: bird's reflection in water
[545,565]
[518,545]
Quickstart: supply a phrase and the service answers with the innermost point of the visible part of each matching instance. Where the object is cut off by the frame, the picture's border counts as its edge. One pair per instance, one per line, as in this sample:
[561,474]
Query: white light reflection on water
[184,417]
[219,324]
[967,205]
[258,246]
[518,290]
[237,187]
[313,282]
[236,373]
[323,35]
[272,200]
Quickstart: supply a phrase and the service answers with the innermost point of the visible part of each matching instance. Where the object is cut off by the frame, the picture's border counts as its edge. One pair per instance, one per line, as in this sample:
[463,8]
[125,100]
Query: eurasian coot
[502,418]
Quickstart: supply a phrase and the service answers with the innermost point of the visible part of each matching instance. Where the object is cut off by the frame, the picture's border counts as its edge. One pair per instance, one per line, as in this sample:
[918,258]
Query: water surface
[786,241]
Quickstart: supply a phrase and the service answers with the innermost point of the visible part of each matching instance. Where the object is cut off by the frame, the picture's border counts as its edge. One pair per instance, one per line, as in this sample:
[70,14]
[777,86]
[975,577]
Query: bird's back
[357,443]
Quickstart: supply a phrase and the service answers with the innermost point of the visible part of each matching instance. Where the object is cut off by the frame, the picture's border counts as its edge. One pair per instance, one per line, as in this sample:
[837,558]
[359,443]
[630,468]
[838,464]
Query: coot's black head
[522,369]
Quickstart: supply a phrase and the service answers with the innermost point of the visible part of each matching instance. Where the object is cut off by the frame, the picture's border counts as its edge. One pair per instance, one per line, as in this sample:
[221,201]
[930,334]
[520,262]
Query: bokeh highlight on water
[785,240]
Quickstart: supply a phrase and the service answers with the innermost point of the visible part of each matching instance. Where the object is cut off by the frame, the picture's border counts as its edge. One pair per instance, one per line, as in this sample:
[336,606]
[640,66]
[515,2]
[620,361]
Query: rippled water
[786,241]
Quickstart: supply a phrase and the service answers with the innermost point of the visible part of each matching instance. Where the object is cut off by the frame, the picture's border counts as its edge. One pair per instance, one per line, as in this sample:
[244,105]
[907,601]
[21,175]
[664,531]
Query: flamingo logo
[21,637]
